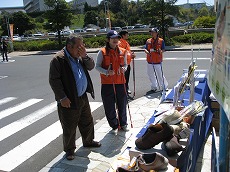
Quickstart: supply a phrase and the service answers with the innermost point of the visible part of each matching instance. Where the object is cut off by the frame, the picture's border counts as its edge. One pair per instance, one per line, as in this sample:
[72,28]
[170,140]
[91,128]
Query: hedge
[195,38]
[99,41]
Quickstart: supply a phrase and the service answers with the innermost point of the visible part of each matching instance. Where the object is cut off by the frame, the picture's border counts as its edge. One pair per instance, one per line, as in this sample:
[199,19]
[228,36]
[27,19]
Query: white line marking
[95,105]
[2,77]
[6,100]
[18,125]
[174,58]
[24,151]
[9,111]
[200,58]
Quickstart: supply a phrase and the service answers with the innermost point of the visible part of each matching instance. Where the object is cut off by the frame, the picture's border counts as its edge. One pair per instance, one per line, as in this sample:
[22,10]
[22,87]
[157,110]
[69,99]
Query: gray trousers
[72,118]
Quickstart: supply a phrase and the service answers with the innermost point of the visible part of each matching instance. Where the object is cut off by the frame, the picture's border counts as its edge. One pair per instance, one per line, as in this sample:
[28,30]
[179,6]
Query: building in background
[79,4]
[12,9]
[39,5]
[34,6]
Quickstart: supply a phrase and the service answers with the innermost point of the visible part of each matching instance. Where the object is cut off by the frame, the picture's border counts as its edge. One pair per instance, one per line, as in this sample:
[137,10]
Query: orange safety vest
[153,45]
[116,59]
[124,44]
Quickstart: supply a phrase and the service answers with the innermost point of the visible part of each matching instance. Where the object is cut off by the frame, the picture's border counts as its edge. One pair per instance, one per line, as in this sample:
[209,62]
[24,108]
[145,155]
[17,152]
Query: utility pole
[8,31]
[107,18]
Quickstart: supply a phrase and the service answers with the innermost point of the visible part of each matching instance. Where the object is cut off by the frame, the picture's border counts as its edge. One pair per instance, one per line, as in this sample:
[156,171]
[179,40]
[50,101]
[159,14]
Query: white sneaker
[125,128]
[114,131]
[129,91]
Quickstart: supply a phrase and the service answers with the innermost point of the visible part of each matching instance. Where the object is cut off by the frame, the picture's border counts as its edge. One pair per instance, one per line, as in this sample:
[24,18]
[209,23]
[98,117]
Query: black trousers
[72,118]
[4,54]
[111,99]
[127,75]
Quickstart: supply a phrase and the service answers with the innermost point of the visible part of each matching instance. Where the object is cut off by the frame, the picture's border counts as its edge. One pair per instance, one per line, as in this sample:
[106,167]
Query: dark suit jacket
[62,81]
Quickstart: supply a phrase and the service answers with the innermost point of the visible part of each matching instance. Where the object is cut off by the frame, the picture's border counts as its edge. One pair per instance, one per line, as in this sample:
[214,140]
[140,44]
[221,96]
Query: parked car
[78,30]
[188,23]
[38,34]
[127,27]
[5,37]
[103,30]
[179,24]
[139,26]
[116,28]
[91,30]
[51,34]
[17,38]
[66,32]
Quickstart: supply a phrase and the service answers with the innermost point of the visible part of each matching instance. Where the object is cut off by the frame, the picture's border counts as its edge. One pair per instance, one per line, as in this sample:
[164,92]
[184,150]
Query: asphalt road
[25,81]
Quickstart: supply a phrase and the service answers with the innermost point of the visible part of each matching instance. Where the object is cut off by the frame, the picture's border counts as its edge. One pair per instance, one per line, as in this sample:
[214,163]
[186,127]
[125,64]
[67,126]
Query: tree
[22,22]
[115,6]
[205,21]
[59,15]
[90,18]
[157,11]
[5,18]
[128,13]
[203,11]
[187,14]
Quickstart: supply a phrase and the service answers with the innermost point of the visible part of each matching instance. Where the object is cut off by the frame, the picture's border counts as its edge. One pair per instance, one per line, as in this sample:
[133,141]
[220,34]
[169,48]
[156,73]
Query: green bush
[196,38]
[95,42]
[38,45]
[99,41]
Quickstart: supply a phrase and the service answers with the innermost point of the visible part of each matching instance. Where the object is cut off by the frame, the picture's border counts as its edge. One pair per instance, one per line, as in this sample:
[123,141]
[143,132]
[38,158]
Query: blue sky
[16,3]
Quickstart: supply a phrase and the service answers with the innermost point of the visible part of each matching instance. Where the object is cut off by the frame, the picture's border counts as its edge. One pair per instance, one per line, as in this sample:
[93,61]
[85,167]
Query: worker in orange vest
[123,43]
[112,63]
[154,49]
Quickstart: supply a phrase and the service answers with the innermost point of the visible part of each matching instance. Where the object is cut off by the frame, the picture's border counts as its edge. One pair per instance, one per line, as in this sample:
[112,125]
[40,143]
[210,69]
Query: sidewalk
[101,159]
[104,158]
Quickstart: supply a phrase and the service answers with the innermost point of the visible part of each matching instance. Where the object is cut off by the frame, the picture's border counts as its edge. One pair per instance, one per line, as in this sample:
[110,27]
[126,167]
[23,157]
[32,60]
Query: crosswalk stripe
[25,150]
[26,121]
[94,105]
[6,100]
[22,152]
[12,110]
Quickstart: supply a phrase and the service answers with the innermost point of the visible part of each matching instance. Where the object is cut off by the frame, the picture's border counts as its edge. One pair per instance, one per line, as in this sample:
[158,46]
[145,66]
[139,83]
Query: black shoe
[154,135]
[173,146]
[70,155]
[94,144]
[153,90]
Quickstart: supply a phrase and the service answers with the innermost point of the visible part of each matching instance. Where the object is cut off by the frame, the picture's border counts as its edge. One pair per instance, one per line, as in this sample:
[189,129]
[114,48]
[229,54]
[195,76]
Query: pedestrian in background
[4,50]
[70,80]
[154,48]
[1,47]
[112,63]
[123,43]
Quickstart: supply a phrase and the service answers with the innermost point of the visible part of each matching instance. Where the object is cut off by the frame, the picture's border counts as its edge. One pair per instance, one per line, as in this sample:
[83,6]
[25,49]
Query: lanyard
[154,44]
